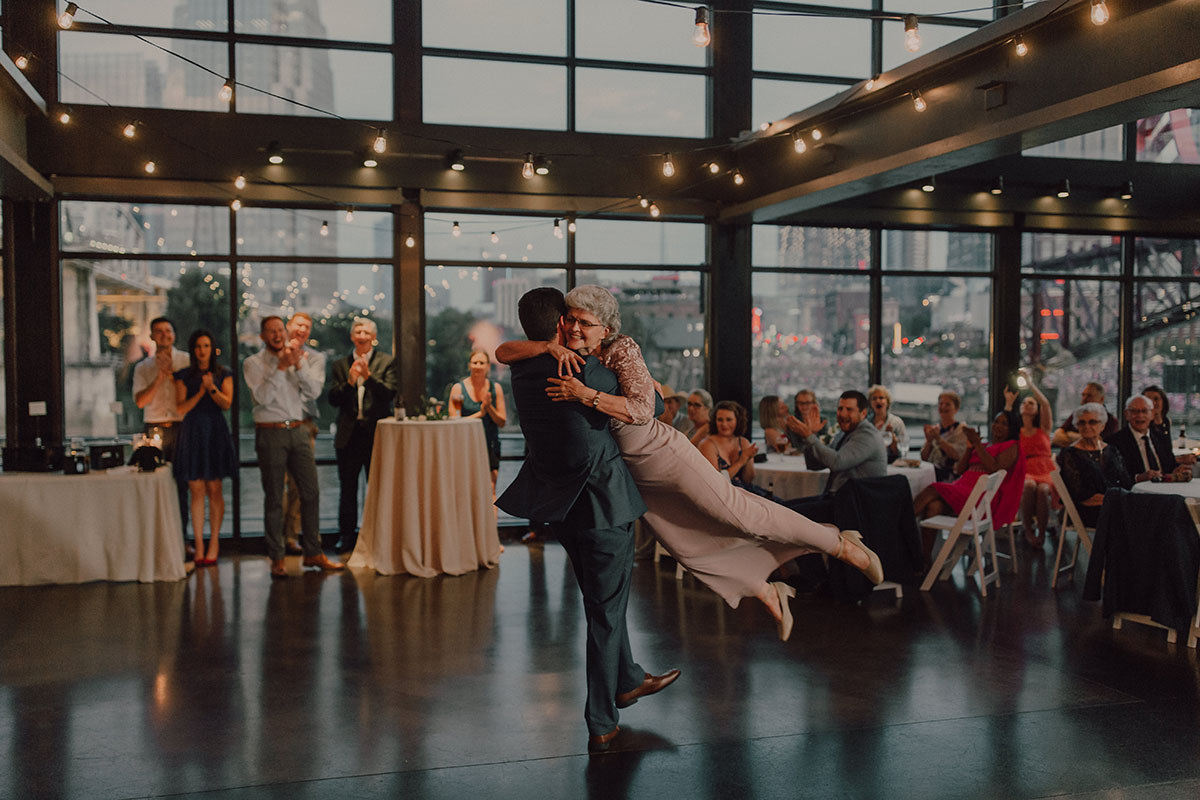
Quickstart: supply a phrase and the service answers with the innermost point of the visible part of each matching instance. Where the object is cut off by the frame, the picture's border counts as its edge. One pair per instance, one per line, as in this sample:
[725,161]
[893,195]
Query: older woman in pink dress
[730,539]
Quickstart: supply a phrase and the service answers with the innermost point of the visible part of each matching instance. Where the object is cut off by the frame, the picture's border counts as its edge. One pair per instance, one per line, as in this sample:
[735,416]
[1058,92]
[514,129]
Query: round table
[789,477]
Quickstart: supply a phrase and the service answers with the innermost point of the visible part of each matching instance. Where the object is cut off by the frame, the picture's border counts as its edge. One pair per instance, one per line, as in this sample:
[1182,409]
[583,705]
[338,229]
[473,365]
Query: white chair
[1070,519]
[973,525]
[1010,531]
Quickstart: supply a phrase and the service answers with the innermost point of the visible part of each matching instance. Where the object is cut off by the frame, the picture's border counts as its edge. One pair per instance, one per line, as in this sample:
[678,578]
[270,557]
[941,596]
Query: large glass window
[475,238]
[348,20]
[634,31]
[937,251]
[813,248]
[1107,144]
[774,100]
[465,91]
[204,15]
[932,37]
[623,101]
[1166,343]
[105,227]
[812,46]
[600,241]
[955,8]
[533,27]
[1171,138]
[349,83]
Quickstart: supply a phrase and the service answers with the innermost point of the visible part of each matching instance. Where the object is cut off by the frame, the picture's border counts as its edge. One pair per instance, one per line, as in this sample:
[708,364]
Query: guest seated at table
[1091,466]
[727,448]
[699,411]
[1065,434]
[857,451]
[806,409]
[476,396]
[1147,454]
[892,428]
[204,449]
[772,413]
[1159,421]
[674,413]
[948,497]
[946,441]
[1038,492]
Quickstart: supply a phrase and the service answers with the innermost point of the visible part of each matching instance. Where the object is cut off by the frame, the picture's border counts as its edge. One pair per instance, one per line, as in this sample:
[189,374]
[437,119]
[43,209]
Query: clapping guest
[312,362]
[204,449]
[806,410]
[946,441]
[772,416]
[1035,449]
[699,409]
[476,396]
[727,447]
[895,434]
[1066,434]
[1147,454]
[1091,466]
[1159,421]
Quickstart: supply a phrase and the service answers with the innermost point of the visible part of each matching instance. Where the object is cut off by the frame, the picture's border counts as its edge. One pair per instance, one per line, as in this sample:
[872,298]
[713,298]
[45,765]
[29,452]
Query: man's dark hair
[539,311]
[856,396]
[157,320]
[262,326]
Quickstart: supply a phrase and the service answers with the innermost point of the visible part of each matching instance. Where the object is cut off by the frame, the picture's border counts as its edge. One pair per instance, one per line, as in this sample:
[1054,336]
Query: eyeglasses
[585,325]
[1087,422]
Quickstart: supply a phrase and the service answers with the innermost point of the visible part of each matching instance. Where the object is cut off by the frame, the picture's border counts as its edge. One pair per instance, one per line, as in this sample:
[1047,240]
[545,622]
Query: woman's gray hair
[704,396]
[1090,408]
[367,323]
[599,301]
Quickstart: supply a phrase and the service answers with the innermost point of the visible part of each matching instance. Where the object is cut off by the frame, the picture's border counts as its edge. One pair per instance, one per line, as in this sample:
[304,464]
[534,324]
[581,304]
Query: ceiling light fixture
[929,185]
[1127,191]
[912,36]
[668,166]
[1020,47]
[701,35]
[918,101]
[1064,189]
[998,186]
[455,161]
[274,153]
[68,16]
[1099,12]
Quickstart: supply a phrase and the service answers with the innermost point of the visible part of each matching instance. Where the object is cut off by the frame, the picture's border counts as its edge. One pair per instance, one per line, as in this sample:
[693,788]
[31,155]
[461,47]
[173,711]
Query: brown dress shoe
[278,570]
[651,684]
[322,561]
[600,743]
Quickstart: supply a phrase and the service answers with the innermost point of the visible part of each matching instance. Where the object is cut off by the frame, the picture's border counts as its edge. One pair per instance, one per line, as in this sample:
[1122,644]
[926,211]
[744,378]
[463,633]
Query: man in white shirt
[1147,454]
[154,393]
[299,326]
[280,387]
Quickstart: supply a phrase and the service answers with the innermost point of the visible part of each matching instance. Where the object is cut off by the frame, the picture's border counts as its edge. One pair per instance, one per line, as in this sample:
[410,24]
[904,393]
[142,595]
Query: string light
[410,241]
[929,185]
[738,178]
[527,167]
[130,130]
[456,161]
[1064,189]
[274,153]
[380,144]
[150,167]
[643,202]
[226,93]
[68,16]
[350,214]
[455,230]
[668,167]
[64,116]
[495,238]
[324,228]
[1020,47]
[571,226]
[998,186]
[236,205]
[714,167]
[701,36]
[798,142]
[816,134]
[22,62]
[541,166]
[239,182]
[1100,13]
[918,101]
[558,234]
[654,212]
[1127,191]
[912,36]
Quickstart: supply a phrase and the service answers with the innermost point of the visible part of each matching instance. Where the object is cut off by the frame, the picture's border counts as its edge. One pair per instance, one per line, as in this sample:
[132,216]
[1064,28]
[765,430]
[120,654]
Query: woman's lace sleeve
[624,358]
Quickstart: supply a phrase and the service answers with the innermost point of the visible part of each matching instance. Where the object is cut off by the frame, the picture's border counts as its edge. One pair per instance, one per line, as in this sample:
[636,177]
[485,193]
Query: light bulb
[714,167]
[1020,47]
[226,93]
[236,205]
[1064,190]
[798,142]
[1127,191]
[912,36]
[22,62]
[239,182]
[654,212]
[495,238]
[68,16]
[998,186]
[816,134]
[324,228]
[929,185]
[455,231]
[738,178]
[918,101]
[558,234]
[349,215]
[668,166]
[380,144]
[150,167]
[527,167]
[129,131]
[1099,12]
[274,153]
[64,117]
[410,241]
[701,36]
[456,161]
[643,202]
[571,226]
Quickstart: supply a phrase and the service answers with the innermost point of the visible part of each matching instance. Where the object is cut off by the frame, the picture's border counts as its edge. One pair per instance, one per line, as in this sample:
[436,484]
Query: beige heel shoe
[874,570]
[783,592]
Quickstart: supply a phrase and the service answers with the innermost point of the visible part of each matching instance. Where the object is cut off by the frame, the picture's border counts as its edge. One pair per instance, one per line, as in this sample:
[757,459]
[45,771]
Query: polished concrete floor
[229,685]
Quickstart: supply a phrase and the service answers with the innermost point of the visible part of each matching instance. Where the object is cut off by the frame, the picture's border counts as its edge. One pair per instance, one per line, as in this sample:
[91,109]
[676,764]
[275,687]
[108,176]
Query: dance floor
[229,685]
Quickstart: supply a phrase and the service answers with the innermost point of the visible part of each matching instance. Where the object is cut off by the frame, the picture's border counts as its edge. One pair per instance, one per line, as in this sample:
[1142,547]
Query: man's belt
[286,425]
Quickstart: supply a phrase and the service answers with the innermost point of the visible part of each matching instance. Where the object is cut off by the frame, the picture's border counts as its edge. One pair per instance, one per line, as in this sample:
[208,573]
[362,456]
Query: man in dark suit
[364,384]
[574,479]
[1146,453]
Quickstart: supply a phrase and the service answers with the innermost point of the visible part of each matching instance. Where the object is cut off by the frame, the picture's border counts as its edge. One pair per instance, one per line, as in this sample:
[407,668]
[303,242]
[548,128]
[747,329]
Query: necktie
[1151,457]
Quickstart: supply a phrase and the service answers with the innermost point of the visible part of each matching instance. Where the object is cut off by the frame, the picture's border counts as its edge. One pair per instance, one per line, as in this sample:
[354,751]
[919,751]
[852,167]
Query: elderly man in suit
[363,385]
[1146,453]
[574,479]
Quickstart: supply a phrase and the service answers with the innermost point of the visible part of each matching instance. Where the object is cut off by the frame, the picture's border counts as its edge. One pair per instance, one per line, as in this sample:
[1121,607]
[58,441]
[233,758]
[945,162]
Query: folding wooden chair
[973,525]
[660,551]
[1070,519]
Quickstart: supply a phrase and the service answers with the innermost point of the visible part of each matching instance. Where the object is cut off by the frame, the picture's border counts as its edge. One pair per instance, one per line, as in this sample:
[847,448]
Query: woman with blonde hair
[772,411]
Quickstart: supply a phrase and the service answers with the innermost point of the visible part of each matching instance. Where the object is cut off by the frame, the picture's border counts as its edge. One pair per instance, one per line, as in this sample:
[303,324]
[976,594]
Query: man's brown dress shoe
[278,570]
[598,744]
[322,561]
[650,685]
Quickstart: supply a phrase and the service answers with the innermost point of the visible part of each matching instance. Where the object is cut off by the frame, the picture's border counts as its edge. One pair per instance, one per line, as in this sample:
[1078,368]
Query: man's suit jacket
[1131,454]
[573,472]
[861,455]
[380,389]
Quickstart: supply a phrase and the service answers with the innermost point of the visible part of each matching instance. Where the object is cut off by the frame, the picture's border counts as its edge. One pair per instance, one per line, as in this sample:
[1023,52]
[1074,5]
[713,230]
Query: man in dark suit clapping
[574,479]
[364,384]
[1147,454]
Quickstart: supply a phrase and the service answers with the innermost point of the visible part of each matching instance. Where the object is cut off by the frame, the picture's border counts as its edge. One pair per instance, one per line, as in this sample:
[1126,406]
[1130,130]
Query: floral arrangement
[431,408]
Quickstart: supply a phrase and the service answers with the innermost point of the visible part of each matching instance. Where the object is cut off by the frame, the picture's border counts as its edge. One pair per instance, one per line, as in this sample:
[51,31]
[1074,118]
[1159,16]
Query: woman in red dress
[1038,493]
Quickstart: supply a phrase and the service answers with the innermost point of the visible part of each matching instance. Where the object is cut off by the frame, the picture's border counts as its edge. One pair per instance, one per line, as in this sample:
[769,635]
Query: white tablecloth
[789,476]
[116,525]
[1190,489]
[429,507]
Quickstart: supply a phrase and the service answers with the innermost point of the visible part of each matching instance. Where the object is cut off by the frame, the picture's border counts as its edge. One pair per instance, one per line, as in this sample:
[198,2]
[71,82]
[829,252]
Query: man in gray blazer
[857,451]
[574,479]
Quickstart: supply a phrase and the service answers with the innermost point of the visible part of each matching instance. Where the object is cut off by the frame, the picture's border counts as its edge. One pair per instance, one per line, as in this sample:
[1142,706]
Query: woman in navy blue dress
[204,450]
